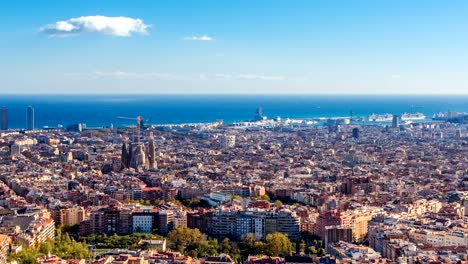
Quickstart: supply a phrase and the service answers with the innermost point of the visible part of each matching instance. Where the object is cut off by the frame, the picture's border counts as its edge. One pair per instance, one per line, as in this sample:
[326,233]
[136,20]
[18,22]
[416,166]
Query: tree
[225,246]
[66,248]
[206,248]
[319,244]
[116,241]
[302,246]
[177,202]
[278,244]
[181,238]
[26,256]
[235,252]
[191,242]
[62,247]
[45,248]
[249,239]
[69,229]
[247,244]
[313,250]
[261,197]
[309,236]
[278,203]
[260,247]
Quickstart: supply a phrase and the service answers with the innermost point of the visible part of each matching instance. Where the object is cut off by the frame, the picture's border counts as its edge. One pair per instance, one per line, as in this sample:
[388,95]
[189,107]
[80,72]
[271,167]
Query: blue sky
[242,46]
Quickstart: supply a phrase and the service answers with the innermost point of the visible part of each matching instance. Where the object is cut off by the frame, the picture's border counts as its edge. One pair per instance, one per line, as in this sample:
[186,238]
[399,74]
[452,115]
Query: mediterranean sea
[103,110]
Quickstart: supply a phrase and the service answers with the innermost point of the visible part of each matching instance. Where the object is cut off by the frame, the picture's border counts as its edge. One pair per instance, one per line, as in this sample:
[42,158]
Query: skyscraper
[152,152]
[30,118]
[259,114]
[228,141]
[125,157]
[356,132]
[4,118]
[396,121]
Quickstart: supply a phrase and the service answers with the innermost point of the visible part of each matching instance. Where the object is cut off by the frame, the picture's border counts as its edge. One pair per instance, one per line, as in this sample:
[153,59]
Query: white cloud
[396,76]
[199,38]
[118,74]
[250,77]
[116,26]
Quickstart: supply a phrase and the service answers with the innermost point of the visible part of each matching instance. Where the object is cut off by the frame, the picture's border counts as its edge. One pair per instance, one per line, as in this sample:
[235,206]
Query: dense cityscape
[234,132]
[260,191]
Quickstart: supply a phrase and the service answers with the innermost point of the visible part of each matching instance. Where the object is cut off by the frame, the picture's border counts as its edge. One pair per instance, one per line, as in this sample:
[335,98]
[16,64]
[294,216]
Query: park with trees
[188,241]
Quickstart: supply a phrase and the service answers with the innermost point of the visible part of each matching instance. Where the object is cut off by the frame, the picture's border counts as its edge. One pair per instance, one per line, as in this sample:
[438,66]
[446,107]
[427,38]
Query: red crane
[138,119]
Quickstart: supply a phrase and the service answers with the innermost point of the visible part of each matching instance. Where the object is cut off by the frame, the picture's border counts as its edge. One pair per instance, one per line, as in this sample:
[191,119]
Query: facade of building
[152,152]
[69,216]
[105,221]
[39,230]
[224,223]
[30,118]
[4,248]
[144,222]
[329,218]
[166,222]
[359,225]
[396,121]
[228,141]
[335,234]
[259,223]
[4,118]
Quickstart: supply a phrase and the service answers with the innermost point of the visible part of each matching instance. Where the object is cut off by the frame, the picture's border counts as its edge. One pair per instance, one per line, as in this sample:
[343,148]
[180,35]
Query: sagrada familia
[137,155]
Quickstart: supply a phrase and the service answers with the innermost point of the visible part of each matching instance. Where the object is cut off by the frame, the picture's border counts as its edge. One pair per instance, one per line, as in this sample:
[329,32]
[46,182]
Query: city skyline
[233,132]
[30,121]
[64,110]
[260,47]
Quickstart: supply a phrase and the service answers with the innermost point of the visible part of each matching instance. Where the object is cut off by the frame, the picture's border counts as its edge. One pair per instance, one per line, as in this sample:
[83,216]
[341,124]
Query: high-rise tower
[259,114]
[4,118]
[139,158]
[125,157]
[228,141]
[356,132]
[152,152]
[30,118]
[396,121]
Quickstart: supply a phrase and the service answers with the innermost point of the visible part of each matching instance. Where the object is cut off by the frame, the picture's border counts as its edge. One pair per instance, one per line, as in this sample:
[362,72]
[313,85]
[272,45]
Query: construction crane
[138,119]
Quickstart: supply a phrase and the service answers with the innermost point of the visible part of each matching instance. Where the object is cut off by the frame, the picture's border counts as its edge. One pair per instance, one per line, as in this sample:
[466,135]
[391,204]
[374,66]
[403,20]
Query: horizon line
[234,94]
